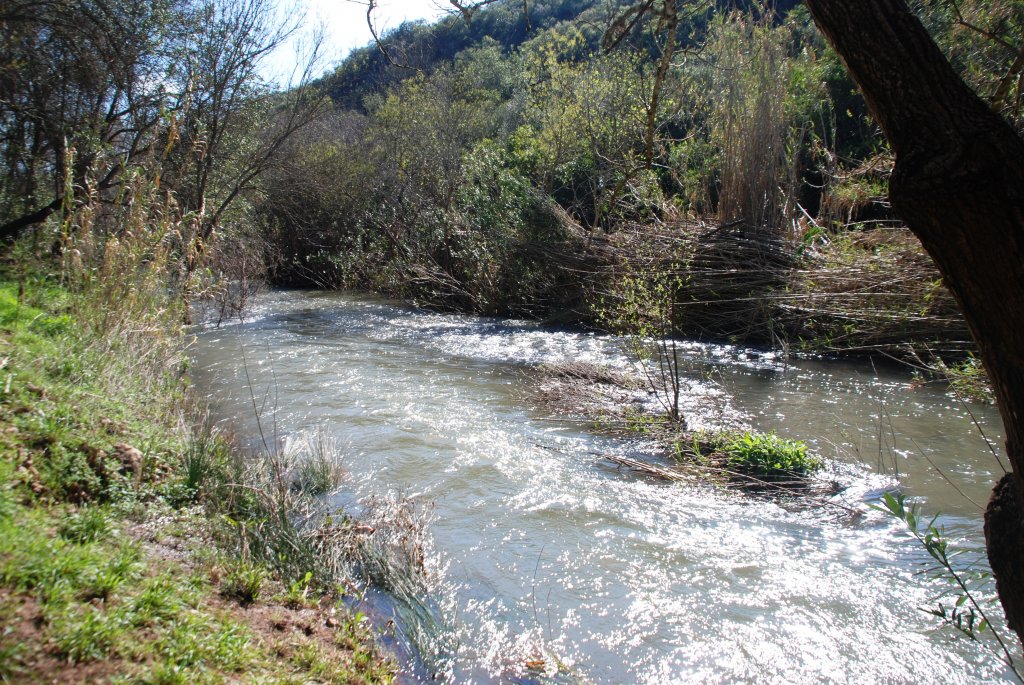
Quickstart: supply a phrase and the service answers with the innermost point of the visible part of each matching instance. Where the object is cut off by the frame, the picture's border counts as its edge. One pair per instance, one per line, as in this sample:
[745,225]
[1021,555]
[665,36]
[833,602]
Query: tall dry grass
[870,291]
[750,125]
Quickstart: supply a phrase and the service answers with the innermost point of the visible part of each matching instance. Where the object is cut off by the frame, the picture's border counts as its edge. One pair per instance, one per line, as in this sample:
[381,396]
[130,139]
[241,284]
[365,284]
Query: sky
[345,25]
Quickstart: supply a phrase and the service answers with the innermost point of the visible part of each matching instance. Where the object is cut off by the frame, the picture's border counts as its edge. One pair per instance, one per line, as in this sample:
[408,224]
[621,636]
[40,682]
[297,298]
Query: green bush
[767,455]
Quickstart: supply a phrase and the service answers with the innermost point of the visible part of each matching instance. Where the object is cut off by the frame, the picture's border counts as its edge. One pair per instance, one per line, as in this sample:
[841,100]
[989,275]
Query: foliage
[244,582]
[105,600]
[983,41]
[967,584]
[646,308]
[298,594]
[766,455]
[967,378]
[88,524]
[96,436]
[500,181]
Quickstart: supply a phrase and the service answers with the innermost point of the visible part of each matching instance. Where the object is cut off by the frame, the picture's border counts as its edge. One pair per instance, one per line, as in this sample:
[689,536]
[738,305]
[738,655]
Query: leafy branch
[966,614]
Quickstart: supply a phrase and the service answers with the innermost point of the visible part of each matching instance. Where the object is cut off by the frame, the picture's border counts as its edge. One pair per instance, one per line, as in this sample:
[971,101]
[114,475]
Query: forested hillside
[711,168]
[426,46]
[722,177]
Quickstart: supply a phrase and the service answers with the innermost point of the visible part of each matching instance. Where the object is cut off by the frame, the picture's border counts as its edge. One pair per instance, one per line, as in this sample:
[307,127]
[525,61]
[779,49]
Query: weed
[87,633]
[297,596]
[168,674]
[965,614]
[31,561]
[310,465]
[103,583]
[88,524]
[204,465]
[766,455]
[644,423]
[318,475]
[310,657]
[160,600]
[11,654]
[8,501]
[244,583]
[354,636]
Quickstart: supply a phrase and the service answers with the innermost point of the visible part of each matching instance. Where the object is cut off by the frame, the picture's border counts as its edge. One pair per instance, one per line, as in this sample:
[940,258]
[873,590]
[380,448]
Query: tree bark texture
[958,184]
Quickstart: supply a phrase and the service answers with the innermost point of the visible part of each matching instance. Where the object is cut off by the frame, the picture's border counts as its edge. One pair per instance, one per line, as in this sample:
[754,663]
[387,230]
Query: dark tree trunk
[959,186]
[9,231]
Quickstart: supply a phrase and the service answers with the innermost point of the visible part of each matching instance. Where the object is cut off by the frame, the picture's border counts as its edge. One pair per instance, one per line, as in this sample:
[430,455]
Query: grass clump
[767,456]
[297,596]
[88,524]
[244,583]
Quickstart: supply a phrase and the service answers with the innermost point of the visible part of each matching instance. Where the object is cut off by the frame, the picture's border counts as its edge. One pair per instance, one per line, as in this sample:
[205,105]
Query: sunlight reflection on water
[545,550]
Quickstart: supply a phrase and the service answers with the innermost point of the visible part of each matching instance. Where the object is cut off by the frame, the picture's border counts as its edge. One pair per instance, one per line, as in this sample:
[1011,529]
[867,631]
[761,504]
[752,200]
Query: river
[544,551]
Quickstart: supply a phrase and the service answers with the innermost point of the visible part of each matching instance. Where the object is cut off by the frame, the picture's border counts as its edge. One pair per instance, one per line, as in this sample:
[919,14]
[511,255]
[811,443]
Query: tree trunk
[959,186]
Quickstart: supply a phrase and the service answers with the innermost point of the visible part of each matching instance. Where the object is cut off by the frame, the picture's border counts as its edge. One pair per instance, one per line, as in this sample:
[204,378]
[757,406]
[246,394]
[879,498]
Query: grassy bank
[112,568]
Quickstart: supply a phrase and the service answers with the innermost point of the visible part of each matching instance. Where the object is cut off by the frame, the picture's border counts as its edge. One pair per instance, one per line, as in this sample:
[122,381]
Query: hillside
[571,173]
[424,46]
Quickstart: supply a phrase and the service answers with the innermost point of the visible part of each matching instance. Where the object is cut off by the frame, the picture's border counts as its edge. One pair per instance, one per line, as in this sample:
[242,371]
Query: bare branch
[370,8]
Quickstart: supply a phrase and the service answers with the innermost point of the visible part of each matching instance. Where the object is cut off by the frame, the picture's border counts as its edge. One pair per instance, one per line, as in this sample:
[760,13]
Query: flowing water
[543,550]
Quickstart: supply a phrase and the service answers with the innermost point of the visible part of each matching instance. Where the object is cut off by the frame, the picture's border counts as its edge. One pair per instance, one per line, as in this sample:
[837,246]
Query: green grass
[68,398]
[17,314]
[98,603]
[73,397]
[244,582]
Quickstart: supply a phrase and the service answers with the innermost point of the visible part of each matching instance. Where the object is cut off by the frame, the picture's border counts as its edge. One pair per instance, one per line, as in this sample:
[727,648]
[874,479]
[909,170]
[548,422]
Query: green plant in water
[769,456]
[965,614]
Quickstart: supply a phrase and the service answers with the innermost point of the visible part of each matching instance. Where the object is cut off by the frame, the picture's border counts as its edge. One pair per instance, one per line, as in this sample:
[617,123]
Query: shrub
[767,455]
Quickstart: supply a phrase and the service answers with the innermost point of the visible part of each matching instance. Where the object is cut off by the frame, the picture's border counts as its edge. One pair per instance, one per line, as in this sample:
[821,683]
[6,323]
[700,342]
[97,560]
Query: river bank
[114,566]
